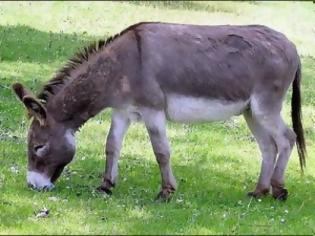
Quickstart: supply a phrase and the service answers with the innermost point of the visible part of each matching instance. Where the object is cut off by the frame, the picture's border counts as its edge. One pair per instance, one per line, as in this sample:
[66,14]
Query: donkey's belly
[192,109]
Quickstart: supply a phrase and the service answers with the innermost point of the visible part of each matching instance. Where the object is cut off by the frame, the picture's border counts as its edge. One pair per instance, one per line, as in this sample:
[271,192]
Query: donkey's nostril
[45,188]
[48,187]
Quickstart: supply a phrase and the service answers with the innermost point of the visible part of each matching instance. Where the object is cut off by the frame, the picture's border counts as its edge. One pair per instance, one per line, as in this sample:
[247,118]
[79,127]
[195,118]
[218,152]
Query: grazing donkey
[184,73]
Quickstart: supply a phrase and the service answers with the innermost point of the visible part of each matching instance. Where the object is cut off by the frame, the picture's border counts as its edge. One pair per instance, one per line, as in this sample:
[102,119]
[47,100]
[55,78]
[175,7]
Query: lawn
[215,164]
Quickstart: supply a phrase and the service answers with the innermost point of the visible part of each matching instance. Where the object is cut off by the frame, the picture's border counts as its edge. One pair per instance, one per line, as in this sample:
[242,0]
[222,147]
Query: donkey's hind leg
[119,125]
[155,124]
[268,150]
[267,114]
[285,142]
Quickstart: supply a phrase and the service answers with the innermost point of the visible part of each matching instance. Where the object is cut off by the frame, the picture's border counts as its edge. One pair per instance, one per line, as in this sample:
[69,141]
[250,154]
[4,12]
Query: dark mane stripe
[54,85]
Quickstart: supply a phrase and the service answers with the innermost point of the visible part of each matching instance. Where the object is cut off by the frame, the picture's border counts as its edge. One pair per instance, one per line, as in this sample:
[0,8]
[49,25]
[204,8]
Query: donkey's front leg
[119,125]
[155,124]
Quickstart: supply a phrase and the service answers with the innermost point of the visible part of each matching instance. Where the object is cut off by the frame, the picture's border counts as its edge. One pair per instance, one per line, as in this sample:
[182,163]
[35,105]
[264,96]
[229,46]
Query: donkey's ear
[35,108]
[20,91]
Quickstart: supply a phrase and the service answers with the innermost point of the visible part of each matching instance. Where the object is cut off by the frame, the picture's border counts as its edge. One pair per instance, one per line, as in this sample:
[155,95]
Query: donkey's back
[205,73]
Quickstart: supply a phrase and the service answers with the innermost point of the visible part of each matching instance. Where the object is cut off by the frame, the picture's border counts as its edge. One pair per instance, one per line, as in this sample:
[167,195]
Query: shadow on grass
[42,51]
[26,44]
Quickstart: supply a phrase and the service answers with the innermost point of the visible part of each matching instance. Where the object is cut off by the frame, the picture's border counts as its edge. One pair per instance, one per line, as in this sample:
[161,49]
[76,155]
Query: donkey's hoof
[253,194]
[165,195]
[258,194]
[280,194]
[103,189]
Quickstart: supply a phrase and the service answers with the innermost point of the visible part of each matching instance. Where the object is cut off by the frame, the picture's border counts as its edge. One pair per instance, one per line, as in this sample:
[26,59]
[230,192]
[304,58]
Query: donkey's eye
[37,147]
[41,150]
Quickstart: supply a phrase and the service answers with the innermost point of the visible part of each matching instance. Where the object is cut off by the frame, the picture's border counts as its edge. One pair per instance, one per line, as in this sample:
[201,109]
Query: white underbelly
[182,108]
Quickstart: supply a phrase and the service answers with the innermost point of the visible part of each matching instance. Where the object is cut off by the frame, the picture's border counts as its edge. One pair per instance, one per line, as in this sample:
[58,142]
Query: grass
[215,164]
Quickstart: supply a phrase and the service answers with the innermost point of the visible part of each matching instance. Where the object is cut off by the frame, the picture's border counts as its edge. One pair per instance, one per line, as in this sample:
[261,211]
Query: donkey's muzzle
[39,181]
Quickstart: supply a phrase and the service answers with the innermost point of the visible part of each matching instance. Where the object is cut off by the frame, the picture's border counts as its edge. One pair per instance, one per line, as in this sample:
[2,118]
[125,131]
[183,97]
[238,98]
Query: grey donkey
[155,72]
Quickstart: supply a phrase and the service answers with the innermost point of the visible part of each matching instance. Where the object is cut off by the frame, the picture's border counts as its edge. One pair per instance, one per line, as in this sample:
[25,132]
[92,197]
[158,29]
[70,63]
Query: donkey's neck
[92,80]
[88,91]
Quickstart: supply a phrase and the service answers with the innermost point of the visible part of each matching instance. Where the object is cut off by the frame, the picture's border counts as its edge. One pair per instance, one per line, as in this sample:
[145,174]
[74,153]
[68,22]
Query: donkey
[160,71]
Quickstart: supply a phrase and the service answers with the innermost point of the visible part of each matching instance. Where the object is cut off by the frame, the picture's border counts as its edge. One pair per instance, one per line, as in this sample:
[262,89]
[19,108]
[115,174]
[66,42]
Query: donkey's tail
[296,115]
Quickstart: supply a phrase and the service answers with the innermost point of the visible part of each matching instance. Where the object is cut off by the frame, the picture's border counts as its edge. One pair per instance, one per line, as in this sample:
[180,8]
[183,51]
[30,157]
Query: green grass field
[215,164]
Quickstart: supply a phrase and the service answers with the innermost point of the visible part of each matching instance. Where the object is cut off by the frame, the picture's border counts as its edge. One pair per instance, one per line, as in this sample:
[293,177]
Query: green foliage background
[215,164]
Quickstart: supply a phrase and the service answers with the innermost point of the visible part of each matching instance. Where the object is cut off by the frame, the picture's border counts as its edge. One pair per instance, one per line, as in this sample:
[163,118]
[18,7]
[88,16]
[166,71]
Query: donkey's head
[51,145]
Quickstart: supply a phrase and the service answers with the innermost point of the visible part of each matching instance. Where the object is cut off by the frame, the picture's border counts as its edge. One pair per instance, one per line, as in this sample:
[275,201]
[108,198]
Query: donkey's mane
[54,85]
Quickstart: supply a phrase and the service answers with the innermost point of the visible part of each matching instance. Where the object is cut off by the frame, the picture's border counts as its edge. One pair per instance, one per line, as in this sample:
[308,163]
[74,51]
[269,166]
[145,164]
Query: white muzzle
[39,181]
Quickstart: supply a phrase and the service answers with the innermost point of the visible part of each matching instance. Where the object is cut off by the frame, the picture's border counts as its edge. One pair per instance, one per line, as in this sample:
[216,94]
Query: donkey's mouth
[57,173]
